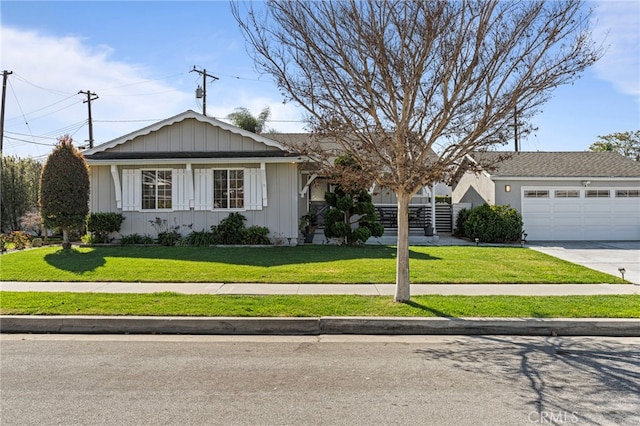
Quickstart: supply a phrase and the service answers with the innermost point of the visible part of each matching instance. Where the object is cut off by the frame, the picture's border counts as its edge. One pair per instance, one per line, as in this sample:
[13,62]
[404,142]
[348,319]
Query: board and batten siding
[278,211]
[191,135]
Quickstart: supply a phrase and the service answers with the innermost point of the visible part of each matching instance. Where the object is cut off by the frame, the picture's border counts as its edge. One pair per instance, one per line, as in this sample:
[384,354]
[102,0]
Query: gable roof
[581,164]
[189,114]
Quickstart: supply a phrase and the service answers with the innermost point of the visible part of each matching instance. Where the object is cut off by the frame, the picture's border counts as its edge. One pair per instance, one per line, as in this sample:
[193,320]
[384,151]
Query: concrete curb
[319,325]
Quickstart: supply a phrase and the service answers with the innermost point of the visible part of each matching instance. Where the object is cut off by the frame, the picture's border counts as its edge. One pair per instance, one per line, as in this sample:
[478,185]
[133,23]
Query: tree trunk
[403,285]
[66,244]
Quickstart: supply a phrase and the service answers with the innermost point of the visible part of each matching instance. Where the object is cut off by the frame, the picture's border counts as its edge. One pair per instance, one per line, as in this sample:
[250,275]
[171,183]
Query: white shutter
[252,189]
[131,190]
[203,197]
[180,189]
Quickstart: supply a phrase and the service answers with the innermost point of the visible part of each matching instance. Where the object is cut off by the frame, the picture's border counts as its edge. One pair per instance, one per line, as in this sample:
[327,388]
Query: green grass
[303,264]
[163,304]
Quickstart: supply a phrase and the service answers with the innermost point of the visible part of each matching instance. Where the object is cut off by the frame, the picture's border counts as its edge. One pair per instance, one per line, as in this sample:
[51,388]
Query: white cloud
[62,66]
[49,72]
[616,23]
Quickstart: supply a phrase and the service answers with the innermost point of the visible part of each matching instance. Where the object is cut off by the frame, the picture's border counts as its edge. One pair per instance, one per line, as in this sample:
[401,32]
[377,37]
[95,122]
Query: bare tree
[393,81]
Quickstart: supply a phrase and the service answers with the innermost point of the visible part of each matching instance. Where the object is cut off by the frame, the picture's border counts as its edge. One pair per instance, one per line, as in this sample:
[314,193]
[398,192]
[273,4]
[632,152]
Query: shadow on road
[553,372]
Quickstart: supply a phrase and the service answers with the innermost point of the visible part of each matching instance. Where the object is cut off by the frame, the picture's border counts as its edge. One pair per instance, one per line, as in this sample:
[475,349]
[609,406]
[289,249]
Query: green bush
[463,215]
[343,207]
[257,235]
[493,224]
[102,224]
[232,231]
[132,239]
[200,239]
[169,238]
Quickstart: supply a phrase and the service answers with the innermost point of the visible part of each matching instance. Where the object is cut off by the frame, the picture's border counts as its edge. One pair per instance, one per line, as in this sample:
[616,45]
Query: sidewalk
[325,289]
[82,324]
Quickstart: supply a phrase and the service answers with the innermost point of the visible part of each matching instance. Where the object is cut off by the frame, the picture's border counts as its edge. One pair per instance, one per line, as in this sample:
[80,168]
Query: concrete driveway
[604,256]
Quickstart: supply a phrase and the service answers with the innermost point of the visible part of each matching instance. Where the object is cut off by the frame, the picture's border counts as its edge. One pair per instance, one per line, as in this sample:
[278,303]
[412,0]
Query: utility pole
[5,74]
[202,93]
[88,102]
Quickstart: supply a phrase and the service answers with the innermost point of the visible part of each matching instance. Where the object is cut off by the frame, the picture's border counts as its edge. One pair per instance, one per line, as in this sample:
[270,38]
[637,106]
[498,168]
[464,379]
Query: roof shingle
[561,164]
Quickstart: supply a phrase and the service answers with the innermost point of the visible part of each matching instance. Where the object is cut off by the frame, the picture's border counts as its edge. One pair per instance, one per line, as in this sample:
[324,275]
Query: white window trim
[254,189]
[173,174]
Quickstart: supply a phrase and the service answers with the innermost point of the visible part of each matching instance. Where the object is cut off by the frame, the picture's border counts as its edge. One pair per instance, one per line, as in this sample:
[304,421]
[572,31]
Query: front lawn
[170,304]
[302,264]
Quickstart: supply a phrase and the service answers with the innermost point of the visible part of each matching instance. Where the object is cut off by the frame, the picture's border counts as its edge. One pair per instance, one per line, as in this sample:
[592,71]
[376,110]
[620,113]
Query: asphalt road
[321,380]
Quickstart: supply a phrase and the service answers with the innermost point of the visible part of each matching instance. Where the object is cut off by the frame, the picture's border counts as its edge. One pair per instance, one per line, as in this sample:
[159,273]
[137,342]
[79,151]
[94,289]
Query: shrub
[18,239]
[463,215]
[493,224]
[169,238]
[168,235]
[347,209]
[231,229]
[257,235]
[200,239]
[128,240]
[102,224]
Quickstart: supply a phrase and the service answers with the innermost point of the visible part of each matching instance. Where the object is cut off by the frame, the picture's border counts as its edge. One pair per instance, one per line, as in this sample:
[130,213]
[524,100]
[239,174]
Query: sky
[137,57]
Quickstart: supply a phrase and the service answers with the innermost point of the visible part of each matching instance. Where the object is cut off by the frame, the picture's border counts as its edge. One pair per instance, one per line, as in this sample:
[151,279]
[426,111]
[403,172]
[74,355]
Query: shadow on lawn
[426,308]
[74,261]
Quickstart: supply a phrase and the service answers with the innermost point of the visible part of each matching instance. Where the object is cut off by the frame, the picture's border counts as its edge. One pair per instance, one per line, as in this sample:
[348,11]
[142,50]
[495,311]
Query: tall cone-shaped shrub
[64,189]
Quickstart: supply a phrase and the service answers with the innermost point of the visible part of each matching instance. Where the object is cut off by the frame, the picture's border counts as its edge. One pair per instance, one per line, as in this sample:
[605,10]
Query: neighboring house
[194,170]
[561,195]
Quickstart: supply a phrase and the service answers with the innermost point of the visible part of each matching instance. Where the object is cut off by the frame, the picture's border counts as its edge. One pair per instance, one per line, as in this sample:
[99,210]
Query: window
[156,189]
[597,193]
[536,193]
[628,193]
[567,193]
[228,189]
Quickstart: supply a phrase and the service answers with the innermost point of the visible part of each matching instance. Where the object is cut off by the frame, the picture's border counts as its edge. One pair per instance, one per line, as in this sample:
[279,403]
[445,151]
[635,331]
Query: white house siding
[190,135]
[280,214]
[558,219]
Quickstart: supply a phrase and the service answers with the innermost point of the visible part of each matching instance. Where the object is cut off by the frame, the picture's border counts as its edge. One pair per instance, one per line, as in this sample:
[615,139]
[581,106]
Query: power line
[29,142]
[47,106]
[33,136]
[58,92]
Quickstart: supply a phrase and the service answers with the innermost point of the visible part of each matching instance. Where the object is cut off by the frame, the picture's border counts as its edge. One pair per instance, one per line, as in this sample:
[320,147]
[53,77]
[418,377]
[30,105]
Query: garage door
[566,214]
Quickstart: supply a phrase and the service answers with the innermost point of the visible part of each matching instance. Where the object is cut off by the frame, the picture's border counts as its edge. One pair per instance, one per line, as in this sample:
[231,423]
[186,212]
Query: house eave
[171,161]
[189,114]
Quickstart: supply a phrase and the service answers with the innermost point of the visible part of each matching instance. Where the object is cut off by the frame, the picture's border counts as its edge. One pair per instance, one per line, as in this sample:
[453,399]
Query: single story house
[192,171]
[561,195]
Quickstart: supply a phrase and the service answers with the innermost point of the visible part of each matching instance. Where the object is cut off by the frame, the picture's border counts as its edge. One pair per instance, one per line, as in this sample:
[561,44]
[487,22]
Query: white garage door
[565,214]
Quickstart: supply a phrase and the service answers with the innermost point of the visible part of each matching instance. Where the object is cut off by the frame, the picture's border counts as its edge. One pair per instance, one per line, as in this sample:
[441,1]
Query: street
[318,380]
